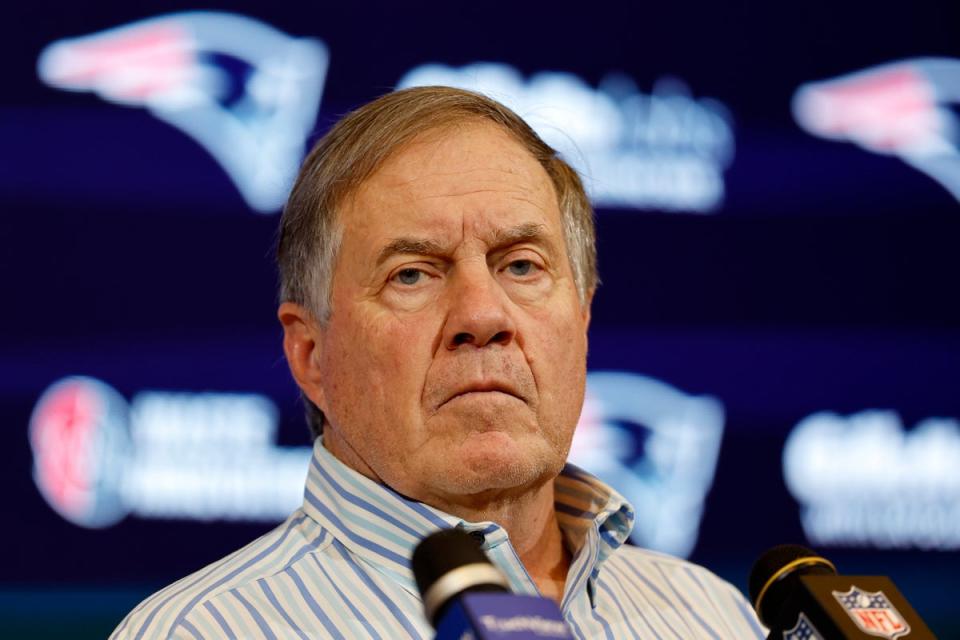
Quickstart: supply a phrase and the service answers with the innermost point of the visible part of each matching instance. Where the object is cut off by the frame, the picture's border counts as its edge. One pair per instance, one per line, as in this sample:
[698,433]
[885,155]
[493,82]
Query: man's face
[453,363]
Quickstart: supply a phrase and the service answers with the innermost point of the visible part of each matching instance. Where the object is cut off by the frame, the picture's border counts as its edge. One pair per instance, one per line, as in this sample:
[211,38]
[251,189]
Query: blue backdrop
[774,346]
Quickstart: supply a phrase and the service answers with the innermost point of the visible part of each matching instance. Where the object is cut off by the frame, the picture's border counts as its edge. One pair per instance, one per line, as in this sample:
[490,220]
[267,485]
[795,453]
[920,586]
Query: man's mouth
[481,389]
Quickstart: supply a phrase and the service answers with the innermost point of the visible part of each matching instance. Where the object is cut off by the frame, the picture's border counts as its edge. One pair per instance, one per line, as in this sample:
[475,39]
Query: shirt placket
[495,543]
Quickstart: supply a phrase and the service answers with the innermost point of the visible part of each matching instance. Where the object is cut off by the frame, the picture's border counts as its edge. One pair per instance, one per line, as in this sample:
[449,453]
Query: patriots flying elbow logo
[246,92]
[902,109]
[655,444]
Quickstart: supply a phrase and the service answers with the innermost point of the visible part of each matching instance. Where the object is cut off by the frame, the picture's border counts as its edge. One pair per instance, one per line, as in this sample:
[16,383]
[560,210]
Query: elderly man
[437,266]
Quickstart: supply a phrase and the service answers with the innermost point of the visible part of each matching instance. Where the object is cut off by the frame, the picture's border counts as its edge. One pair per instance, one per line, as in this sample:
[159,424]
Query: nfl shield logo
[803,630]
[873,613]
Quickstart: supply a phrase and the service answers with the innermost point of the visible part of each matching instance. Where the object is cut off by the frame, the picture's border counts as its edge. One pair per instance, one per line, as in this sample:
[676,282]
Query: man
[437,266]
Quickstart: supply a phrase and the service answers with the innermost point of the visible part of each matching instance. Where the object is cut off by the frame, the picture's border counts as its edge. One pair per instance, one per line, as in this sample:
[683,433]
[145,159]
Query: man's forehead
[477,154]
[469,181]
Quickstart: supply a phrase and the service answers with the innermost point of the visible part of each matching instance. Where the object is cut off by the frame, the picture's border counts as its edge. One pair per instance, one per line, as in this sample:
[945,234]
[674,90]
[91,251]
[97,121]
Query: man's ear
[588,304]
[303,346]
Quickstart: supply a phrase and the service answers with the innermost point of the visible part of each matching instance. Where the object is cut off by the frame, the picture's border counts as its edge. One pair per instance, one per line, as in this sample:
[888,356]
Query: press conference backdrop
[774,352]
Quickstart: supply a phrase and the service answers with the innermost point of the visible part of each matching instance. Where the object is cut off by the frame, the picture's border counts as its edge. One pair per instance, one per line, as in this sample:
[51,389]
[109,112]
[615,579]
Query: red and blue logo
[873,613]
[246,92]
[904,109]
[80,438]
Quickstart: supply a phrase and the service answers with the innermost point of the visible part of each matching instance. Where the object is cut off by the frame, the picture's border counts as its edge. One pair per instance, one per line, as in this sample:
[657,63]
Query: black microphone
[799,595]
[464,593]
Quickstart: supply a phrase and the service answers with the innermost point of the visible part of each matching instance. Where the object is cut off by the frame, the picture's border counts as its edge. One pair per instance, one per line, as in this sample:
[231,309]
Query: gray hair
[357,145]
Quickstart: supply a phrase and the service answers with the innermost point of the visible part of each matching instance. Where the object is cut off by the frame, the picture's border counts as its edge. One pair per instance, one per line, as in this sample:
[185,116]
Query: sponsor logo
[663,150]
[898,109]
[80,440]
[862,480]
[197,456]
[803,630]
[538,625]
[873,613]
[243,90]
[658,446]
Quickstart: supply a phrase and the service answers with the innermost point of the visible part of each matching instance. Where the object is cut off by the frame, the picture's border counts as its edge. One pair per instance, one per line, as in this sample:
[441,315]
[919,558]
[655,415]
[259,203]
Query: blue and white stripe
[339,568]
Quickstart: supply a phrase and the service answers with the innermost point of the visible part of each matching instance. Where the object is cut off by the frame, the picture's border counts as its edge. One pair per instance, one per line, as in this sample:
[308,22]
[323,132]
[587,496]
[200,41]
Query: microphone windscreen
[774,576]
[442,552]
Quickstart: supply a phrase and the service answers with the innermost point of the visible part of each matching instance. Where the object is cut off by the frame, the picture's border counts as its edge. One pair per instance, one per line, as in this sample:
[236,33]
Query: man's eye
[520,267]
[409,276]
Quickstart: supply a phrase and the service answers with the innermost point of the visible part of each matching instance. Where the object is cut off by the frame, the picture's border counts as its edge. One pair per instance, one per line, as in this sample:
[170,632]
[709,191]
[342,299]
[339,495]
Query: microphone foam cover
[774,576]
[442,552]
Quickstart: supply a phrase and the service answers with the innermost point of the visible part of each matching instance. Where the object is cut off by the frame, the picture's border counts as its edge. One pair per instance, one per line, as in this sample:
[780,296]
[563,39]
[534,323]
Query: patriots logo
[873,613]
[244,91]
[899,109]
[658,445]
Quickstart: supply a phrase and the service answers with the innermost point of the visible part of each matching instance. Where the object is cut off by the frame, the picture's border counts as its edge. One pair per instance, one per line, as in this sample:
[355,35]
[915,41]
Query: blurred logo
[243,90]
[861,480]
[662,150]
[873,613]
[80,442]
[803,630]
[657,446]
[183,455]
[897,109]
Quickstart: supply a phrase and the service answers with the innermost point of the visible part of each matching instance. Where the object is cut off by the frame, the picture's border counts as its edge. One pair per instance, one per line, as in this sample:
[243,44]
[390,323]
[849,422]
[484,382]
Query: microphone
[798,595]
[465,596]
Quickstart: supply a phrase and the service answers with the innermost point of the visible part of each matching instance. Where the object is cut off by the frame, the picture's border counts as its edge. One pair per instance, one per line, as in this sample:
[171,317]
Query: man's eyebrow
[409,246]
[526,232]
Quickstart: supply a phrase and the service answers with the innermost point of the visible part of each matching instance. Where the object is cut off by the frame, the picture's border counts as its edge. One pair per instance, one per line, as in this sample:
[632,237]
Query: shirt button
[478,537]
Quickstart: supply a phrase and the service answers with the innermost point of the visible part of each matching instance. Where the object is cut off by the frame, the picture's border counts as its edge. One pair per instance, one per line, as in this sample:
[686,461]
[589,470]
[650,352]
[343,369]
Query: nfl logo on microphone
[803,630]
[873,613]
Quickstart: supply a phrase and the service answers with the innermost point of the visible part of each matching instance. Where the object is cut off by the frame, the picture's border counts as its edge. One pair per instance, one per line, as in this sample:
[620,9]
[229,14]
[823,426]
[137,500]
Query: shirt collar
[382,526]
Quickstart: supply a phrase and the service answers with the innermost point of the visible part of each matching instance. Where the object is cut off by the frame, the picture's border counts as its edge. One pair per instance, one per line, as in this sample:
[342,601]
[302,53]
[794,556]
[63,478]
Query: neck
[530,520]
[526,513]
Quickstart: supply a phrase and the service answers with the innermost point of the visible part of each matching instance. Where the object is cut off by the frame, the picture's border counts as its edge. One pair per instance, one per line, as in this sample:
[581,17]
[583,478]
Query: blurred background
[775,350]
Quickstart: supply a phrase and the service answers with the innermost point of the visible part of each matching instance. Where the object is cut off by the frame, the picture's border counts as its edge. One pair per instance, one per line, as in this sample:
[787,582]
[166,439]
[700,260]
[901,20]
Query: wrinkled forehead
[456,191]
[472,160]
[472,144]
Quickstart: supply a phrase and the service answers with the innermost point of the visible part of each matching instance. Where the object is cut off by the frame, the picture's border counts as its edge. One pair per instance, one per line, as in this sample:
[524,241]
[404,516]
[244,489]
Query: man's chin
[495,463]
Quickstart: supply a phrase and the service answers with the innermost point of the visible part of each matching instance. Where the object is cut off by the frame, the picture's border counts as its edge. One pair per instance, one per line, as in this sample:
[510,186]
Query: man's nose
[478,311]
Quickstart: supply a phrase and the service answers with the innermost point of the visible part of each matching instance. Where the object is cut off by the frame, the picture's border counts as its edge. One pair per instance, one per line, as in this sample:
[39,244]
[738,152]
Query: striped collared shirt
[339,568]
